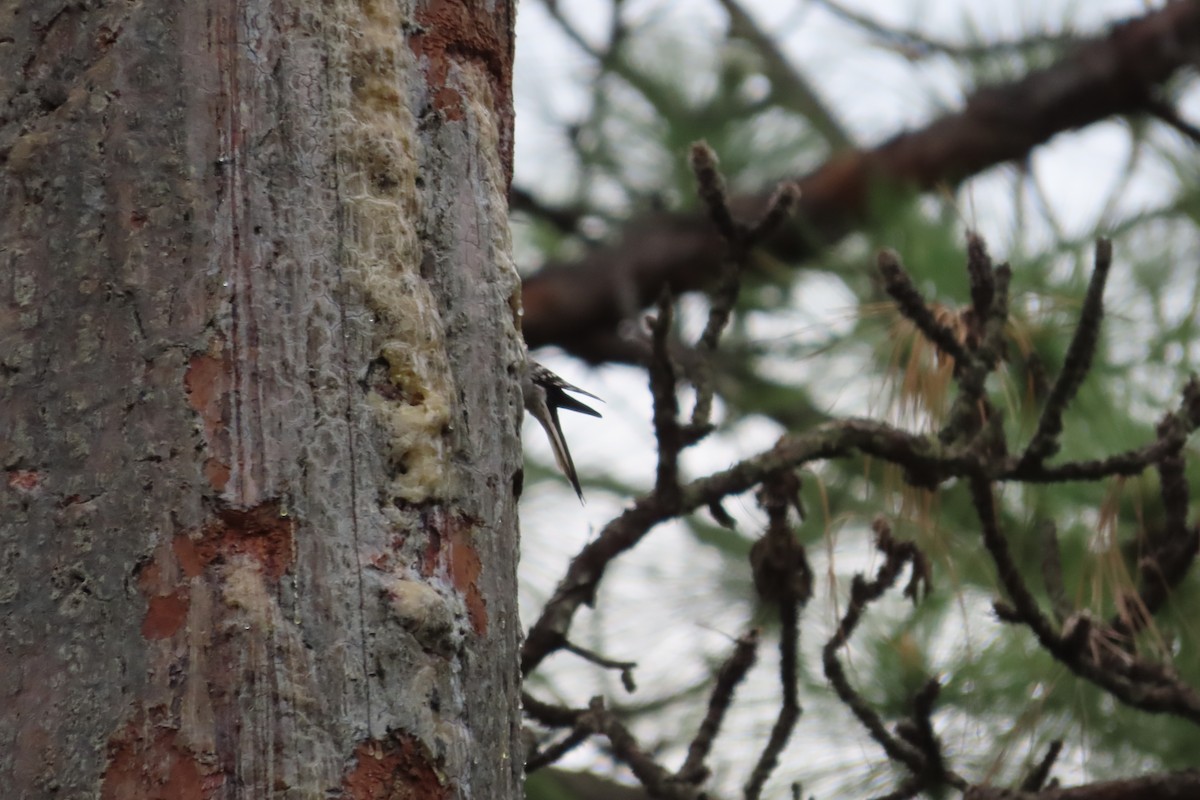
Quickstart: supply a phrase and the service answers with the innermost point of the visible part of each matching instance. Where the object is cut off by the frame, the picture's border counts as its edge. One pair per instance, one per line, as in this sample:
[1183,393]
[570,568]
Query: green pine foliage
[1003,698]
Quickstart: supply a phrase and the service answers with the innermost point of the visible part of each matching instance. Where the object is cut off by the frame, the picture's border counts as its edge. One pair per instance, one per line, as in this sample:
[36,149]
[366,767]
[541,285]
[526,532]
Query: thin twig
[549,714]
[666,404]
[1171,550]
[862,594]
[924,462]
[912,305]
[916,45]
[554,752]
[781,205]
[659,782]
[1156,786]
[983,280]
[728,678]
[1170,115]
[596,718]
[626,667]
[1128,679]
[1037,777]
[1010,577]
[1052,577]
[1077,364]
[984,342]
[781,575]
[710,186]
[739,240]
[789,88]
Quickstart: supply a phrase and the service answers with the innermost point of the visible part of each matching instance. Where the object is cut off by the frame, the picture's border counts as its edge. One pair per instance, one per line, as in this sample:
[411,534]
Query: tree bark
[259,433]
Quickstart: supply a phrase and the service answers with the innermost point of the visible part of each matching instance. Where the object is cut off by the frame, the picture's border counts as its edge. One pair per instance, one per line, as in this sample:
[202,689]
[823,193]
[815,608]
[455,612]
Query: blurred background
[609,94]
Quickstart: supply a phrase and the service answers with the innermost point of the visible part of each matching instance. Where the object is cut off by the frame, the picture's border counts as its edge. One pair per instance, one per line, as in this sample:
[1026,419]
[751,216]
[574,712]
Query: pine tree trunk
[258,428]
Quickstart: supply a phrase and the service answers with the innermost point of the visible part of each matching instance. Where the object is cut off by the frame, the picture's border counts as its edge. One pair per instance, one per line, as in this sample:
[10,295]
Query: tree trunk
[258,426]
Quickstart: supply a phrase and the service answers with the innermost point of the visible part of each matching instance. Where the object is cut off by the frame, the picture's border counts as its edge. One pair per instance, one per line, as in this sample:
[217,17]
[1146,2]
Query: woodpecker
[545,393]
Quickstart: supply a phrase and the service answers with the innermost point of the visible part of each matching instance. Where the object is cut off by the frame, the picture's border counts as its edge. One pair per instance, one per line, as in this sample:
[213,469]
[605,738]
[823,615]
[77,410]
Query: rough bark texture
[257,529]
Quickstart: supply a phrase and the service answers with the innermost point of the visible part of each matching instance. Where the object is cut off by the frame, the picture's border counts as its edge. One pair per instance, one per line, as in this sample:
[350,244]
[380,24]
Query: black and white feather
[545,393]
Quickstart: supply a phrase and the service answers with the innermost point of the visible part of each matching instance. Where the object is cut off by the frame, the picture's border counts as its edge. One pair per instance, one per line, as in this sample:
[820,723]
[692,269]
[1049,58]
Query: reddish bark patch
[395,768]
[465,568]
[24,480]
[208,382]
[455,32]
[262,533]
[147,761]
[185,553]
[167,602]
[165,615]
[106,37]
[452,554]
[217,472]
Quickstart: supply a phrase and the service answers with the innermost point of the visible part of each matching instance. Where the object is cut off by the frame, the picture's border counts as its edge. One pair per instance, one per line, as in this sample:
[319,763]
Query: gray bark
[258,428]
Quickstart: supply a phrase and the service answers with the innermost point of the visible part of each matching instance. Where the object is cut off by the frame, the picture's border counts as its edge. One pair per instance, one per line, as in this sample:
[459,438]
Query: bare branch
[554,752]
[925,462]
[1037,777]
[579,306]
[626,668]
[782,576]
[912,305]
[1165,786]
[862,594]
[1086,649]
[1077,364]
[666,404]
[975,454]
[728,677]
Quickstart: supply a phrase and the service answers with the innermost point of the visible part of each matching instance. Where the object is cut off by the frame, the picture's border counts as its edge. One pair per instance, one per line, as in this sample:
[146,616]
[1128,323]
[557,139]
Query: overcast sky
[659,605]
